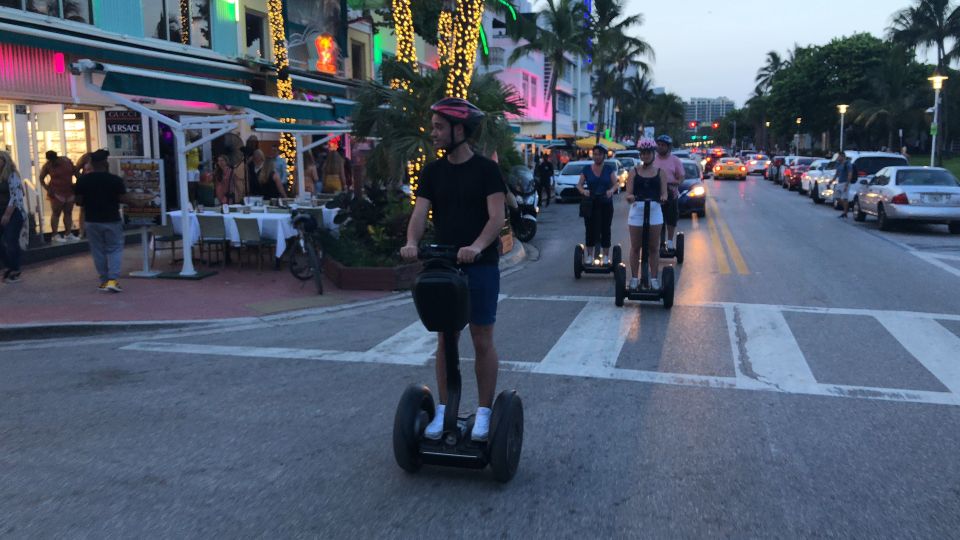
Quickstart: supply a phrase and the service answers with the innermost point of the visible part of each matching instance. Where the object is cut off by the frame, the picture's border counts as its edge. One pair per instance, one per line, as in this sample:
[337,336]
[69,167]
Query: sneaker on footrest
[435,428]
[481,424]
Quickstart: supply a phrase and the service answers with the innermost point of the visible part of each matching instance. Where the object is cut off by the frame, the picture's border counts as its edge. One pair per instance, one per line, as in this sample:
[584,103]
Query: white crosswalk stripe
[766,355]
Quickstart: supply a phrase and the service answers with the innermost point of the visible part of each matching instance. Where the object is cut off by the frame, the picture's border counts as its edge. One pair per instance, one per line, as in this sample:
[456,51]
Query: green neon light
[483,41]
[377,49]
[513,12]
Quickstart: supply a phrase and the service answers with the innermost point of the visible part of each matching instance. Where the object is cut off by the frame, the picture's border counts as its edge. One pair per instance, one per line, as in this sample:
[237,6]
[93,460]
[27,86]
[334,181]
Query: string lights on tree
[288,144]
[466,34]
[406,39]
[185,22]
[444,36]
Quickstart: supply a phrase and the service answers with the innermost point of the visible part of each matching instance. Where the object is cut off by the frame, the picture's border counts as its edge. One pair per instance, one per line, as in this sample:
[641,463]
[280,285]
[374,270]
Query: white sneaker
[481,424]
[654,284]
[435,428]
[72,238]
[634,282]
[670,244]
[59,239]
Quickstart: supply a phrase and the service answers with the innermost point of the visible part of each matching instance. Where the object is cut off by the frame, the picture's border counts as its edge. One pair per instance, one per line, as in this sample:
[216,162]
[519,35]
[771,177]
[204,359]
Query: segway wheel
[578,261]
[620,284]
[617,256]
[667,286]
[414,412]
[679,248]
[506,435]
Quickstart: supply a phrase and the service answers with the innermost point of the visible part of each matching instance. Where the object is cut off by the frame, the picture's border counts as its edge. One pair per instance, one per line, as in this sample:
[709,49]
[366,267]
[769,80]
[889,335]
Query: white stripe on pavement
[413,341]
[766,350]
[592,340]
[277,352]
[934,346]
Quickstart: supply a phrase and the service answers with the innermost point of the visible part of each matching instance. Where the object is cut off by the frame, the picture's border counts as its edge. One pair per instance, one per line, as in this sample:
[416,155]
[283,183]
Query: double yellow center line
[718,227]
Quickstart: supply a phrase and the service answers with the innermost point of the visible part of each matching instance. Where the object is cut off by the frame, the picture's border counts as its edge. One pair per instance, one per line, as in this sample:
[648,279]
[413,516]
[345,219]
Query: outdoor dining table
[277,227]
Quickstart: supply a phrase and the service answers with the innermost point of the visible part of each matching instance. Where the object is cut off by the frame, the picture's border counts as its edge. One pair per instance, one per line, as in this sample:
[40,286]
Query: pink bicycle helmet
[646,143]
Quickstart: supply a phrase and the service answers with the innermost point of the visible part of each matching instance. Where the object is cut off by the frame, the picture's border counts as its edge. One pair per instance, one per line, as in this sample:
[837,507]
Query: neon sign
[326,54]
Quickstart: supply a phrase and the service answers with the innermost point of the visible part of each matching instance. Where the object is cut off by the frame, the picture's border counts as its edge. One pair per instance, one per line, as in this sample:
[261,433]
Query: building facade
[707,110]
[183,59]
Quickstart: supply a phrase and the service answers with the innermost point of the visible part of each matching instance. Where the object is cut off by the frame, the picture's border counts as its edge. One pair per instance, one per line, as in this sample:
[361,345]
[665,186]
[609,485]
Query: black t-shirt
[100,196]
[458,196]
[544,171]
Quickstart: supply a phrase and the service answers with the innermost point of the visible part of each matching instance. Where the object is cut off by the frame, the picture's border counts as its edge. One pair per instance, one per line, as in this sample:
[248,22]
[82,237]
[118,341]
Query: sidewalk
[64,292]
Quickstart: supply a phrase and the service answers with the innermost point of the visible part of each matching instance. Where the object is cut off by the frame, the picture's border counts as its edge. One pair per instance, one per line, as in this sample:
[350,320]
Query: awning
[319,86]
[115,48]
[145,82]
[304,129]
[590,142]
[150,83]
[283,108]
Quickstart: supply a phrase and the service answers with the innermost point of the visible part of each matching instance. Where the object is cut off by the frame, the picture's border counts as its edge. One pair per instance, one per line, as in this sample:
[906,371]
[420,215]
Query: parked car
[693,194]
[730,168]
[566,181]
[919,194]
[635,154]
[795,170]
[865,165]
[682,154]
[772,172]
[757,163]
[817,170]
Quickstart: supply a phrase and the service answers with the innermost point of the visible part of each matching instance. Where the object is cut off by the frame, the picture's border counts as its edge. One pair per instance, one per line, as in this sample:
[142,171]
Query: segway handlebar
[444,252]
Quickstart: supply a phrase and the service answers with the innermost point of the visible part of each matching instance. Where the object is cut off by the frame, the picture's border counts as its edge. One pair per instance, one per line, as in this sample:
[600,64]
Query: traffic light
[716,125]
[692,124]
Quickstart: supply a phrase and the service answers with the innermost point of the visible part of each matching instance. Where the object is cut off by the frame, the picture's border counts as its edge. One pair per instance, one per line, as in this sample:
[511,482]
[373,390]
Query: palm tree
[556,31]
[617,51]
[774,63]
[893,103]
[667,113]
[635,103]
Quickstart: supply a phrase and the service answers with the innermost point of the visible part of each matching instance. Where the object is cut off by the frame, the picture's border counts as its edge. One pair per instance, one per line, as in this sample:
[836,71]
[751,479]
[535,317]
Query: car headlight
[698,191]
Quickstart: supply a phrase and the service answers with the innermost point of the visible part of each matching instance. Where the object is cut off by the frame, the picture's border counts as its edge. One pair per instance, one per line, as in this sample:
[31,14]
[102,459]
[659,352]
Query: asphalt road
[806,384]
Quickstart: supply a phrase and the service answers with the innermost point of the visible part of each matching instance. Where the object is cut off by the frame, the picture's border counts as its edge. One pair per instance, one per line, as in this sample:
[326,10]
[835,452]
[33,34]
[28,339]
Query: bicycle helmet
[666,139]
[599,147]
[646,143]
[459,111]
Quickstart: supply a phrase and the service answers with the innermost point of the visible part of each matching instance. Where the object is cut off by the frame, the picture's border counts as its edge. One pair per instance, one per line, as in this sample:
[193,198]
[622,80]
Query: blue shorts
[484,292]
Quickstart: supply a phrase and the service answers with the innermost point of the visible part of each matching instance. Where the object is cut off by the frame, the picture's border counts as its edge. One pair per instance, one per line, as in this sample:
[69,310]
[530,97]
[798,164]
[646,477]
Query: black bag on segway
[442,297]
[586,207]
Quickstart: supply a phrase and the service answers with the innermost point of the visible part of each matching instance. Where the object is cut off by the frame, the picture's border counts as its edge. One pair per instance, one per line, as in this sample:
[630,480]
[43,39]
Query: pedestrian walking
[843,175]
[11,222]
[60,195]
[100,193]
[544,173]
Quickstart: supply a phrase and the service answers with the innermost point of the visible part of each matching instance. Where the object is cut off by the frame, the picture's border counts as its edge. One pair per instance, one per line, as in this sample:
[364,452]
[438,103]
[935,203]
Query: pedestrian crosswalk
[759,347]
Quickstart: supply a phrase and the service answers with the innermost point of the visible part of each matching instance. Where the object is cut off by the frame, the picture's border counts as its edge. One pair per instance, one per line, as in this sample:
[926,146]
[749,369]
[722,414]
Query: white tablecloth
[277,227]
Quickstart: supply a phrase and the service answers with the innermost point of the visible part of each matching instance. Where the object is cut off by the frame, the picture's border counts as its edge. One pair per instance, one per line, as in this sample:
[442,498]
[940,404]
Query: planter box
[389,278]
[506,240]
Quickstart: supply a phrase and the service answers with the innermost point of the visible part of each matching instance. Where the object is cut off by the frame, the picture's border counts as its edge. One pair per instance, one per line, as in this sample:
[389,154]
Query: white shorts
[636,214]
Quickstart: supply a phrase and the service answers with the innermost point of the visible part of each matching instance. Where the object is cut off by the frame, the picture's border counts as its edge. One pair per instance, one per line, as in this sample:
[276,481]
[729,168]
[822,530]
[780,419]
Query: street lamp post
[843,111]
[937,81]
[766,136]
[799,121]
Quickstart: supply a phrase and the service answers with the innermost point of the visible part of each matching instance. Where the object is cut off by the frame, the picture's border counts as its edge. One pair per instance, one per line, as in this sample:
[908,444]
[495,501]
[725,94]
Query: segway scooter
[442,299]
[677,251]
[597,265]
[644,292]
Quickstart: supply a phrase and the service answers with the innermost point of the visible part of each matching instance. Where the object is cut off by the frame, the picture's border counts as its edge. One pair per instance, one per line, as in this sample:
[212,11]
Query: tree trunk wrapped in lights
[185,22]
[406,40]
[288,144]
[445,37]
[463,46]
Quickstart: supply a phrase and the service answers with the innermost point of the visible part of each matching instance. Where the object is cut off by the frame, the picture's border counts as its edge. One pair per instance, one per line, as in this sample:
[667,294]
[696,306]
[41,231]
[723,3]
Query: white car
[865,165]
[920,194]
[818,169]
[565,182]
[756,163]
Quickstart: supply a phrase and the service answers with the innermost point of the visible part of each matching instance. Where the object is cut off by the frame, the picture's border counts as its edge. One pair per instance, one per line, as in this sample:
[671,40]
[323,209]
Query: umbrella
[590,142]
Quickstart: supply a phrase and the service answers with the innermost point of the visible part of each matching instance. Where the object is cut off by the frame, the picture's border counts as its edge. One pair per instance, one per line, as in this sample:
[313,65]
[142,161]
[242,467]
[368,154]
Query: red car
[794,173]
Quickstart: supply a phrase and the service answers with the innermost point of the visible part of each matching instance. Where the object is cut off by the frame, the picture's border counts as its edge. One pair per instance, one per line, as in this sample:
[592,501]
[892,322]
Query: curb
[34,331]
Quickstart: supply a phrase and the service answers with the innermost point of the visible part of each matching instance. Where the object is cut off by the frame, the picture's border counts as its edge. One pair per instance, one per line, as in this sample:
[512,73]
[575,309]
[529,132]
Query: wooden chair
[213,237]
[163,234]
[250,237]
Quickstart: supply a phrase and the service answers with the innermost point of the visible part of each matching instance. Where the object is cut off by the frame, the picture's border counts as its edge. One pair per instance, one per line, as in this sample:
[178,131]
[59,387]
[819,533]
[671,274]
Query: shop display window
[72,10]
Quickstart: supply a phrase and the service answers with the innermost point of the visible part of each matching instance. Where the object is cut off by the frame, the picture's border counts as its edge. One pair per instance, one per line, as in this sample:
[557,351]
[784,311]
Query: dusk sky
[711,49]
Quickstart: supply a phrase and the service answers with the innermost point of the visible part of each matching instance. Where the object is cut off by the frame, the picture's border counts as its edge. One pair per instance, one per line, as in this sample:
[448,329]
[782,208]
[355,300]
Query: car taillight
[861,173]
[788,172]
[716,169]
[742,168]
[900,199]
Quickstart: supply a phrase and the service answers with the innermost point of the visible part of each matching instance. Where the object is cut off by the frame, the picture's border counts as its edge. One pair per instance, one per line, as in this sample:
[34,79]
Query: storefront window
[256,45]
[72,10]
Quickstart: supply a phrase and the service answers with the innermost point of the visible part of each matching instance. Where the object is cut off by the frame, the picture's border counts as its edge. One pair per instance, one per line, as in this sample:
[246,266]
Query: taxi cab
[730,168]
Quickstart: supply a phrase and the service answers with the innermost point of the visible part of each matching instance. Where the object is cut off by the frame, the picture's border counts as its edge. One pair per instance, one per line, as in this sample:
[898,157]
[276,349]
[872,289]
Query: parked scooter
[523,215]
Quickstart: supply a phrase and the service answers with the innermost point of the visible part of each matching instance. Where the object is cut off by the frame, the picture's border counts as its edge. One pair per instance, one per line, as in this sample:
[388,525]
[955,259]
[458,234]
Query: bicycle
[306,254]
